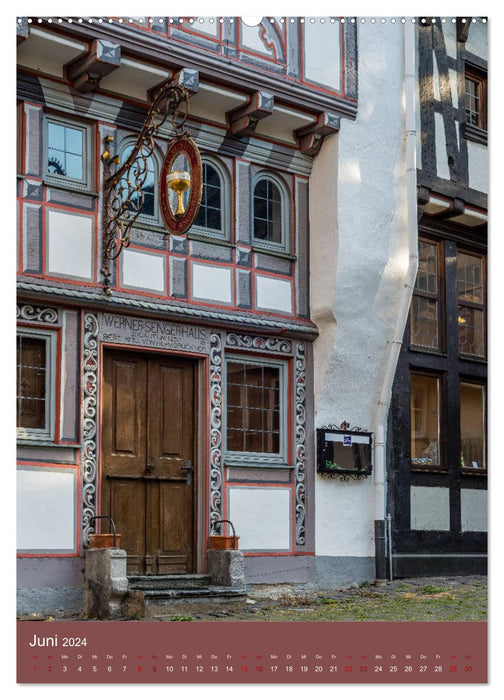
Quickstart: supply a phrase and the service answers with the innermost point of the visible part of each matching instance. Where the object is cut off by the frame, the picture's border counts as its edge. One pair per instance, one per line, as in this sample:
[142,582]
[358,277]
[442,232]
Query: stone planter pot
[104,541]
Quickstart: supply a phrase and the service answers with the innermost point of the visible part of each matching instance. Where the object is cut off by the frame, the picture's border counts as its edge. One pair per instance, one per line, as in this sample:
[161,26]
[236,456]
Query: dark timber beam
[243,121]
[463,28]
[86,72]
[310,137]
[22,30]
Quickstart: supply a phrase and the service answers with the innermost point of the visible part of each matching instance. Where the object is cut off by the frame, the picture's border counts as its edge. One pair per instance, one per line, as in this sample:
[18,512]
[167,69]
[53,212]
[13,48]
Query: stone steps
[168,582]
[195,588]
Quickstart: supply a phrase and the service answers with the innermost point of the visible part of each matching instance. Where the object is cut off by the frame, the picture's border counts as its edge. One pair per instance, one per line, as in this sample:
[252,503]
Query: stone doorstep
[210,594]
[164,582]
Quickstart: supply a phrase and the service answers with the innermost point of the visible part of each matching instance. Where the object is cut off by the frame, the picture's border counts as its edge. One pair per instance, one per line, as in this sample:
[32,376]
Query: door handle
[188,468]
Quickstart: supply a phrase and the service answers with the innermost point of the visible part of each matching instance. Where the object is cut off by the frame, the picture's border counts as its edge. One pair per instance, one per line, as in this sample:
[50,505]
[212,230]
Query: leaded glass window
[255,407]
[471,304]
[425,309]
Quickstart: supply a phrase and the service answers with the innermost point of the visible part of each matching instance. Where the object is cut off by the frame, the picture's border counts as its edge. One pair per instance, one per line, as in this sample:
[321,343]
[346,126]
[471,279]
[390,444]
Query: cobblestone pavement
[433,598]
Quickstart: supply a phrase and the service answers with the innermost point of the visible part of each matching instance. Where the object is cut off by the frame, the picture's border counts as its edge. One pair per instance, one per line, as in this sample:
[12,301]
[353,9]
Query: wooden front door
[148,476]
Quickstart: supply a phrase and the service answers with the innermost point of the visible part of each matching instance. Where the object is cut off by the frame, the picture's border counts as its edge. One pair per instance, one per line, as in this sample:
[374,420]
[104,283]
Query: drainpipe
[380,477]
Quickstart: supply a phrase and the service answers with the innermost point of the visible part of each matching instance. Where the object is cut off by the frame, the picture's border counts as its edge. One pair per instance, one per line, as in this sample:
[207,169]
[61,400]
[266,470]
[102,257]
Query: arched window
[270,212]
[212,217]
[147,173]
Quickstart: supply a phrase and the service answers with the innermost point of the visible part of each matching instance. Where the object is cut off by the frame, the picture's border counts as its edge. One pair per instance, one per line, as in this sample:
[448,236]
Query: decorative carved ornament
[27,312]
[216,465]
[89,422]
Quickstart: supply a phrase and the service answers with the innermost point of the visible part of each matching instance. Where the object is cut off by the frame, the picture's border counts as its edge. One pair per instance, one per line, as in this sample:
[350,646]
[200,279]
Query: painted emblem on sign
[181,184]
[347,440]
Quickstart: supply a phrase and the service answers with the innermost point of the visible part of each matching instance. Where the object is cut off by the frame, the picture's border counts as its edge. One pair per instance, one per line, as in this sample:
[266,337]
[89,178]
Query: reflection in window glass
[65,151]
[472,426]
[210,211]
[267,212]
[424,420]
[31,382]
[253,408]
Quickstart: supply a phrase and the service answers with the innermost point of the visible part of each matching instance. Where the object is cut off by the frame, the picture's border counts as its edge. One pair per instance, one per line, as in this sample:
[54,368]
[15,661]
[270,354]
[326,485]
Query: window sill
[209,238]
[476,134]
[69,186]
[272,251]
[474,472]
[428,470]
[473,358]
[45,442]
[427,351]
[259,461]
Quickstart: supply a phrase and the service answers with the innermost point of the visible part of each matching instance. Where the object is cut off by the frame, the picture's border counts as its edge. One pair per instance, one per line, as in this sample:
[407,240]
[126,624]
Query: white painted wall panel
[212,283]
[261,517]
[322,52]
[474,505]
[46,518]
[441,156]
[143,270]
[69,245]
[273,294]
[477,156]
[430,508]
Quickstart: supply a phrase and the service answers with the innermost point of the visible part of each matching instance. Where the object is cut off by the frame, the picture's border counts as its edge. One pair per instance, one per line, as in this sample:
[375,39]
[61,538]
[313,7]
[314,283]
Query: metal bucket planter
[104,540]
[223,541]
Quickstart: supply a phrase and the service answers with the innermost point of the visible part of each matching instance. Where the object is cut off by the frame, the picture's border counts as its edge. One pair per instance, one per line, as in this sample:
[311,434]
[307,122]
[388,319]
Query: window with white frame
[66,153]
[256,410]
[212,218]
[270,213]
[35,354]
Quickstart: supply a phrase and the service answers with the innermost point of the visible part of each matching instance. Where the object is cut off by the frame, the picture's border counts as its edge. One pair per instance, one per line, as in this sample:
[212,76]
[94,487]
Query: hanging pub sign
[181,184]
[343,451]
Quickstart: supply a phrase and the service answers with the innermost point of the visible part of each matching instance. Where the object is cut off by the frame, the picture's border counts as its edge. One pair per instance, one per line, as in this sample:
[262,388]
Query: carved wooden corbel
[187,78]
[310,137]
[244,120]
[86,72]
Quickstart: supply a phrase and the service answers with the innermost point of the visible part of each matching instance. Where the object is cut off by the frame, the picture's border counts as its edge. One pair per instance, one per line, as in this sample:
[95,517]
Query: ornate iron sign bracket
[123,196]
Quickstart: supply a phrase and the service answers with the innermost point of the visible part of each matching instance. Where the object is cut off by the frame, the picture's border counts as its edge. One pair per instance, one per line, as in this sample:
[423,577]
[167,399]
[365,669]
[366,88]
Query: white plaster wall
[46,518]
[450,37]
[430,508]
[322,40]
[143,270]
[359,260]
[474,506]
[273,294]
[212,283]
[261,517]
[477,158]
[477,40]
[443,170]
[69,245]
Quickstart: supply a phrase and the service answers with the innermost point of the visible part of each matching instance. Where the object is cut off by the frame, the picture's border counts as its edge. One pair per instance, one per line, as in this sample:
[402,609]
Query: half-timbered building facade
[190,379]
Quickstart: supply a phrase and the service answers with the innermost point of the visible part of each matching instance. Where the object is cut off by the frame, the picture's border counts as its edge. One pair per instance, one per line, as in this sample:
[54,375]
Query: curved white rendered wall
[358,264]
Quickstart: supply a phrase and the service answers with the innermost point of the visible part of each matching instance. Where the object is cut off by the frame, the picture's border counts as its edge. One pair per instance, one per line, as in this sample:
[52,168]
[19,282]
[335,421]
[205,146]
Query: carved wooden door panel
[148,482]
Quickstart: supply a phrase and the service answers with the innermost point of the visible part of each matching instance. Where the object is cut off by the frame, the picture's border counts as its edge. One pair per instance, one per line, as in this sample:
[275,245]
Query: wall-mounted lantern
[344,452]
[181,182]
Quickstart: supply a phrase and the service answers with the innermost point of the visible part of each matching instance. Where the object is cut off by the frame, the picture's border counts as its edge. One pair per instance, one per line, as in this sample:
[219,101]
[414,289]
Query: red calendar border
[252,652]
